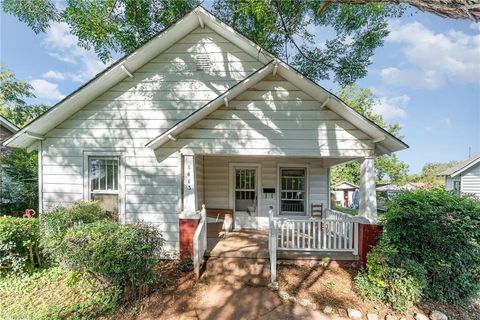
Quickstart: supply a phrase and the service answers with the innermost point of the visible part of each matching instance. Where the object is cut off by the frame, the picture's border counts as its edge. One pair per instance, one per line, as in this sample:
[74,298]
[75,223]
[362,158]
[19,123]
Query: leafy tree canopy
[290,29]
[429,175]
[388,168]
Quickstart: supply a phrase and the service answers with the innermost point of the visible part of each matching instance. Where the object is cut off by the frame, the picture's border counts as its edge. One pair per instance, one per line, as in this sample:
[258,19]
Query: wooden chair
[316,210]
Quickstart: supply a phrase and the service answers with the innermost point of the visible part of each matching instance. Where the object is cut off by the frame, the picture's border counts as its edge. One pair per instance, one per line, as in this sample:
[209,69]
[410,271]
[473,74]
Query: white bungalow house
[201,115]
[464,177]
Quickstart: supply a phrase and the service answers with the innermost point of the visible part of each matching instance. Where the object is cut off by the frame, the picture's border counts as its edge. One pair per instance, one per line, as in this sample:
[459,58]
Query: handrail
[200,242]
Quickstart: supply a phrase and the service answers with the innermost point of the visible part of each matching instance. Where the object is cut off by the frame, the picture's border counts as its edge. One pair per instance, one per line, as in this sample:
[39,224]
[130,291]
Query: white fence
[335,232]
[200,242]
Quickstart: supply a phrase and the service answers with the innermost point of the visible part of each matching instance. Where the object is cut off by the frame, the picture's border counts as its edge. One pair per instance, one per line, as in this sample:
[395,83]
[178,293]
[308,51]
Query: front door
[245,198]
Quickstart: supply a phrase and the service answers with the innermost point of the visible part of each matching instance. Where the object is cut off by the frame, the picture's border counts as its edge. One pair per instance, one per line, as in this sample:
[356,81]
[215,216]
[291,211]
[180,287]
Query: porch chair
[316,210]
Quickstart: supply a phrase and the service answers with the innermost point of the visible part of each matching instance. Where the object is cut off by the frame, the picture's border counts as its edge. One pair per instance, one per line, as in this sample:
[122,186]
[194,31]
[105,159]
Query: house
[343,193]
[7,129]
[464,177]
[200,115]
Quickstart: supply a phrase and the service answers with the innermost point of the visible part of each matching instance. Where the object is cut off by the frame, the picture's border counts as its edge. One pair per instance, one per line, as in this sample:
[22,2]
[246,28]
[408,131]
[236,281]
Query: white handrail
[200,242]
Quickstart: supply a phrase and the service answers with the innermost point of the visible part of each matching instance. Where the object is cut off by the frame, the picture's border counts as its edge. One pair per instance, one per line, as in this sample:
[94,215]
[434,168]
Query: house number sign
[189,183]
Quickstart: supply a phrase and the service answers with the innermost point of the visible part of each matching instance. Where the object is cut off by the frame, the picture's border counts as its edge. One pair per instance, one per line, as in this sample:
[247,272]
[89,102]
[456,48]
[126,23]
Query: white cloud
[46,90]
[51,74]
[435,58]
[64,47]
[391,107]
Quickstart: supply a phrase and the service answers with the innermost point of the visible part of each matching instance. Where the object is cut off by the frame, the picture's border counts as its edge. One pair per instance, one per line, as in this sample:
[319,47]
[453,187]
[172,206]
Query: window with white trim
[292,191]
[457,185]
[103,173]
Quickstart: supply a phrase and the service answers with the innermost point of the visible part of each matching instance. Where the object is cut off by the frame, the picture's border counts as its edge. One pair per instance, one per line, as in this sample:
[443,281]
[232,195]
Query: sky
[426,77]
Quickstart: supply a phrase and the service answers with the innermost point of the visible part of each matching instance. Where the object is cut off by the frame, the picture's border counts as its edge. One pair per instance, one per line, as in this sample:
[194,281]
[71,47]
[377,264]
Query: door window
[245,190]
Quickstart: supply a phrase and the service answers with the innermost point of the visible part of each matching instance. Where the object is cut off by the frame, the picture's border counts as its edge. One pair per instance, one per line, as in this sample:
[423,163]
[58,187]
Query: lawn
[53,294]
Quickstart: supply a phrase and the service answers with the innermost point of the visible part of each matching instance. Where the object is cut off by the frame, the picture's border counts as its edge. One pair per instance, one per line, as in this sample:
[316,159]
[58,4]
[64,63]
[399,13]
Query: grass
[352,212]
[53,294]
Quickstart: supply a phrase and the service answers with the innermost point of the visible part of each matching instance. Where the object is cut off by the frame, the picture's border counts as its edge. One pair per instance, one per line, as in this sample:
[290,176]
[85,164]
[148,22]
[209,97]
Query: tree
[456,9]
[286,28]
[18,168]
[429,175]
[388,168]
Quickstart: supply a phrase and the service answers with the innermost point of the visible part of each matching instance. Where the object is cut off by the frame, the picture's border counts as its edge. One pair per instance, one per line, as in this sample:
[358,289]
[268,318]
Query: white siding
[471,180]
[162,92]
[217,181]
[274,118]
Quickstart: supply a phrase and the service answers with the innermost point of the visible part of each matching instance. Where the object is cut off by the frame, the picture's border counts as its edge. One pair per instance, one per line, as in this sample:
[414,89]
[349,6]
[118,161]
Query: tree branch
[455,9]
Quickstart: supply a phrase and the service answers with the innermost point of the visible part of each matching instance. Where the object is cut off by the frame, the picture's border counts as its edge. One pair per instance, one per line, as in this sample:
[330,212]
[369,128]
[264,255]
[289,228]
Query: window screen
[103,179]
[292,191]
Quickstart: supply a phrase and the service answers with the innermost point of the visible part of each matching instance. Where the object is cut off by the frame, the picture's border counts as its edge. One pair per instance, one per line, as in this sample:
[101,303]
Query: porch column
[368,197]
[189,185]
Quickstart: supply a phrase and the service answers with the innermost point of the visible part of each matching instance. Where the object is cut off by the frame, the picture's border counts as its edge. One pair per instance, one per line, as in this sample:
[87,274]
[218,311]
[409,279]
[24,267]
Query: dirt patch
[334,286]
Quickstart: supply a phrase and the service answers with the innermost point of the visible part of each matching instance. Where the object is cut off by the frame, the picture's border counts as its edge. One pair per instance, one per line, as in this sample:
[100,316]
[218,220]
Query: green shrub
[391,278]
[54,224]
[441,231]
[19,244]
[120,255]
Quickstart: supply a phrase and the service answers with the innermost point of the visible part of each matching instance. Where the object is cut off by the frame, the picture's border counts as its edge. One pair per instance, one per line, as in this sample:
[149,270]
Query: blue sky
[426,77]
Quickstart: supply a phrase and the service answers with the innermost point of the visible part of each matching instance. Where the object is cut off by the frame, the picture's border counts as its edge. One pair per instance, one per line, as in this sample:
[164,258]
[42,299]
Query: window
[103,182]
[457,185]
[292,191]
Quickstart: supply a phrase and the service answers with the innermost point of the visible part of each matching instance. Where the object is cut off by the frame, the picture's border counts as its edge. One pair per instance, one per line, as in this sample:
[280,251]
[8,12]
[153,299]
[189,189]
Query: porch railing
[200,242]
[335,232]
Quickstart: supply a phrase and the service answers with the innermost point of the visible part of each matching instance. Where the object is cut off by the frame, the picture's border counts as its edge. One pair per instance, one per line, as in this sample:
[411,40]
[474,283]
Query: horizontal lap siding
[163,91]
[217,179]
[275,118]
[471,180]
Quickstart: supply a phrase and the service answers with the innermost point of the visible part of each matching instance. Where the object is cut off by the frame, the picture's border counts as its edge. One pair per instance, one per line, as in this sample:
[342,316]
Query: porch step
[237,271]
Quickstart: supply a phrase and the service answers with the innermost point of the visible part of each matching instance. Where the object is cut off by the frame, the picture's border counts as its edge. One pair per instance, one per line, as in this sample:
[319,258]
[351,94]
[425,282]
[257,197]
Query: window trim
[304,166]
[117,154]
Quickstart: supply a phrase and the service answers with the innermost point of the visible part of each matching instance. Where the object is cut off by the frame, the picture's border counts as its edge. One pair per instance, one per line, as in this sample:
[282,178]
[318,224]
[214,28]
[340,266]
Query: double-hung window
[292,191]
[103,173]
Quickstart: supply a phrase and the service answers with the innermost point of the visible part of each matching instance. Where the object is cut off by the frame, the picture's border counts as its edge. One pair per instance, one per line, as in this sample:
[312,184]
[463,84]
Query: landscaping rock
[292,299]
[419,316]
[372,316]
[305,302]
[328,310]
[342,312]
[403,318]
[273,286]
[437,315]
[354,314]
[390,317]
[284,295]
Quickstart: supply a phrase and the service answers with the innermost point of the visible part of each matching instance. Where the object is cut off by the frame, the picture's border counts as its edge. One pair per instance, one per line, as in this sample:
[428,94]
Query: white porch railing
[200,242]
[336,232]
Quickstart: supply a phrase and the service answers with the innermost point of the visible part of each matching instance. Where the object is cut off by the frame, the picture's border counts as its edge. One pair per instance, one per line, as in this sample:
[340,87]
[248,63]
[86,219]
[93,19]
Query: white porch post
[189,185]
[368,198]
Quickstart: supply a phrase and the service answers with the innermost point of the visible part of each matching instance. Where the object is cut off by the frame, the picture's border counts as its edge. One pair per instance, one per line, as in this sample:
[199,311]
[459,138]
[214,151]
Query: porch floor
[253,244]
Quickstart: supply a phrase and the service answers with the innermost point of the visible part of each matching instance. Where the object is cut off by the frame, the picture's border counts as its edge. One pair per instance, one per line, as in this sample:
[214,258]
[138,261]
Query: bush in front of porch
[431,230]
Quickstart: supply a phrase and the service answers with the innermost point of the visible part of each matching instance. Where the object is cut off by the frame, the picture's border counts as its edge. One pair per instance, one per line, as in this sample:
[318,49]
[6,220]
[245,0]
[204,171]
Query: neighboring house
[343,193]
[7,129]
[464,177]
[201,115]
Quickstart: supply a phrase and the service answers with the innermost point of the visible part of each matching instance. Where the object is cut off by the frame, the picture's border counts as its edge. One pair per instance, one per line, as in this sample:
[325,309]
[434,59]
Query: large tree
[388,168]
[337,45]
[18,168]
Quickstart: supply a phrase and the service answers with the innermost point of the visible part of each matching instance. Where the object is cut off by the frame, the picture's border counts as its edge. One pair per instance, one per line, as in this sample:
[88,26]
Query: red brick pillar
[367,238]
[187,228]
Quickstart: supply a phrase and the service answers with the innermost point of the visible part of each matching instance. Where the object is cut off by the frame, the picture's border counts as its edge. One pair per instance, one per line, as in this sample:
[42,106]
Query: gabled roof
[351,186]
[199,17]
[461,167]
[8,125]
